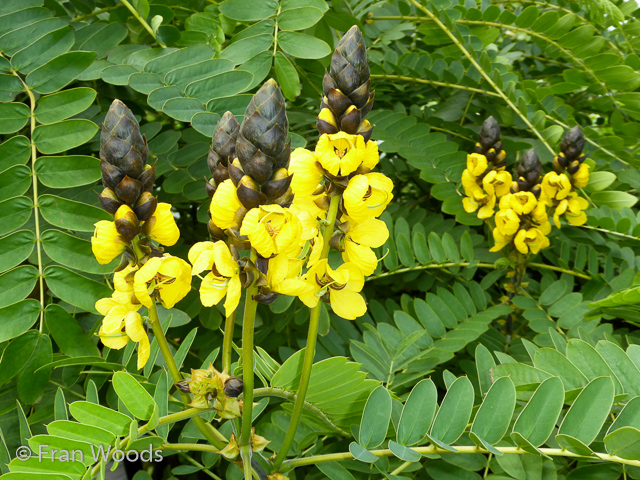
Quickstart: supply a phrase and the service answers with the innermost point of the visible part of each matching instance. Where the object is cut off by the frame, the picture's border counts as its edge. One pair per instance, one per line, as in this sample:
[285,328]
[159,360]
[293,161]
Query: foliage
[456,370]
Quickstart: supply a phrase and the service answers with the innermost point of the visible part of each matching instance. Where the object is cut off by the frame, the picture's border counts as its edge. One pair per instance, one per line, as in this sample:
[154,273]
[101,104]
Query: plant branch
[469,264]
[433,82]
[142,21]
[292,397]
[310,350]
[36,211]
[554,452]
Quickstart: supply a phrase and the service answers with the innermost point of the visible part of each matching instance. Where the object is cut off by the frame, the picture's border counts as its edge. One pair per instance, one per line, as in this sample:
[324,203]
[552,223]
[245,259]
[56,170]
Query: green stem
[142,21]
[211,434]
[310,350]
[227,342]
[468,264]
[36,212]
[248,323]
[82,18]
[557,452]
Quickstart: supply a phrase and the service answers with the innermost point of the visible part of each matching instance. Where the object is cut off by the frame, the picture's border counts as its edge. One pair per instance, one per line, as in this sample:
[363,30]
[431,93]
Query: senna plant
[220,259]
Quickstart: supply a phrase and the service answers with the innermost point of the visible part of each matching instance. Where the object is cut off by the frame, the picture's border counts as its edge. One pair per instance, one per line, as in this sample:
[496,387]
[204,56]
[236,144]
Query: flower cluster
[485,179]
[145,273]
[526,203]
[286,206]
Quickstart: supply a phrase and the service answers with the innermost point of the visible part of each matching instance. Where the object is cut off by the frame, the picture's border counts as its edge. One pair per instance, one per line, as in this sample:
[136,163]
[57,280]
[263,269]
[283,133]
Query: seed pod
[529,171]
[233,387]
[123,154]
[347,88]
[572,144]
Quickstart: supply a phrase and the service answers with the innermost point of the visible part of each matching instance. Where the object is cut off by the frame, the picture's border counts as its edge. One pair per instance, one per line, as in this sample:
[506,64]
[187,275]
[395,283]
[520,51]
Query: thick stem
[213,436]
[248,322]
[310,350]
[227,342]
[557,452]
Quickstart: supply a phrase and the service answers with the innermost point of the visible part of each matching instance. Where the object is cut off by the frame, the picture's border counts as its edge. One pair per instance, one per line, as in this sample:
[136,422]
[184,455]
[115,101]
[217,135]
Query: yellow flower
[555,187]
[341,285]
[360,239]
[283,276]
[225,205]
[307,174]
[521,202]
[367,196]
[130,327]
[114,310]
[575,214]
[531,240]
[106,242]
[224,277]
[480,200]
[162,227]
[497,183]
[539,213]
[169,276]
[500,239]
[507,222]
[581,177]
[476,164]
[469,183]
[271,229]
[341,154]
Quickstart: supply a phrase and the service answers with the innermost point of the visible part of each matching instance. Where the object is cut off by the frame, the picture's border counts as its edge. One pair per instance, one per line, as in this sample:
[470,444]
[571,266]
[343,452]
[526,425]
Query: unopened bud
[145,206]
[109,201]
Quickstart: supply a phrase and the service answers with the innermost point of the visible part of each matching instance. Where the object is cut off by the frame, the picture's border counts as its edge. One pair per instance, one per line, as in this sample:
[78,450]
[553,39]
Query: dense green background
[538,67]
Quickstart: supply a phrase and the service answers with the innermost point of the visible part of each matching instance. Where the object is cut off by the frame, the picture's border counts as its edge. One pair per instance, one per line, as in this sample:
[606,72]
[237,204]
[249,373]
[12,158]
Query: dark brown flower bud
[233,387]
[127,223]
[249,193]
[573,167]
[145,206]
[235,171]
[216,232]
[148,177]
[529,172]
[183,386]
[111,175]
[489,134]
[572,143]
[128,190]
[278,184]
[266,298]
[350,121]
[210,187]
[109,201]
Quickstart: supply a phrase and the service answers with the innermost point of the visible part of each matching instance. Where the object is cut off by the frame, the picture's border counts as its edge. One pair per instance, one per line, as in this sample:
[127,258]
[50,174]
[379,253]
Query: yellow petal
[224,261]
[201,257]
[106,242]
[212,289]
[361,256]
[347,304]
[234,290]
[372,233]
[162,227]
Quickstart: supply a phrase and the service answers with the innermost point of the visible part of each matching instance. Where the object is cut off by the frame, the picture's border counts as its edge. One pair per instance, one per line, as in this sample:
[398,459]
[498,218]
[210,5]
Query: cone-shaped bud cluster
[347,89]
[222,151]
[528,174]
[127,179]
[262,151]
[489,143]
[570,156]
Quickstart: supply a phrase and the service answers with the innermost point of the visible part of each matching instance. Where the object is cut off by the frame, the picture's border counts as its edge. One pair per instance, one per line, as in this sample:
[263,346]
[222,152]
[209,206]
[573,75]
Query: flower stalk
[216,440]
[310,351]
